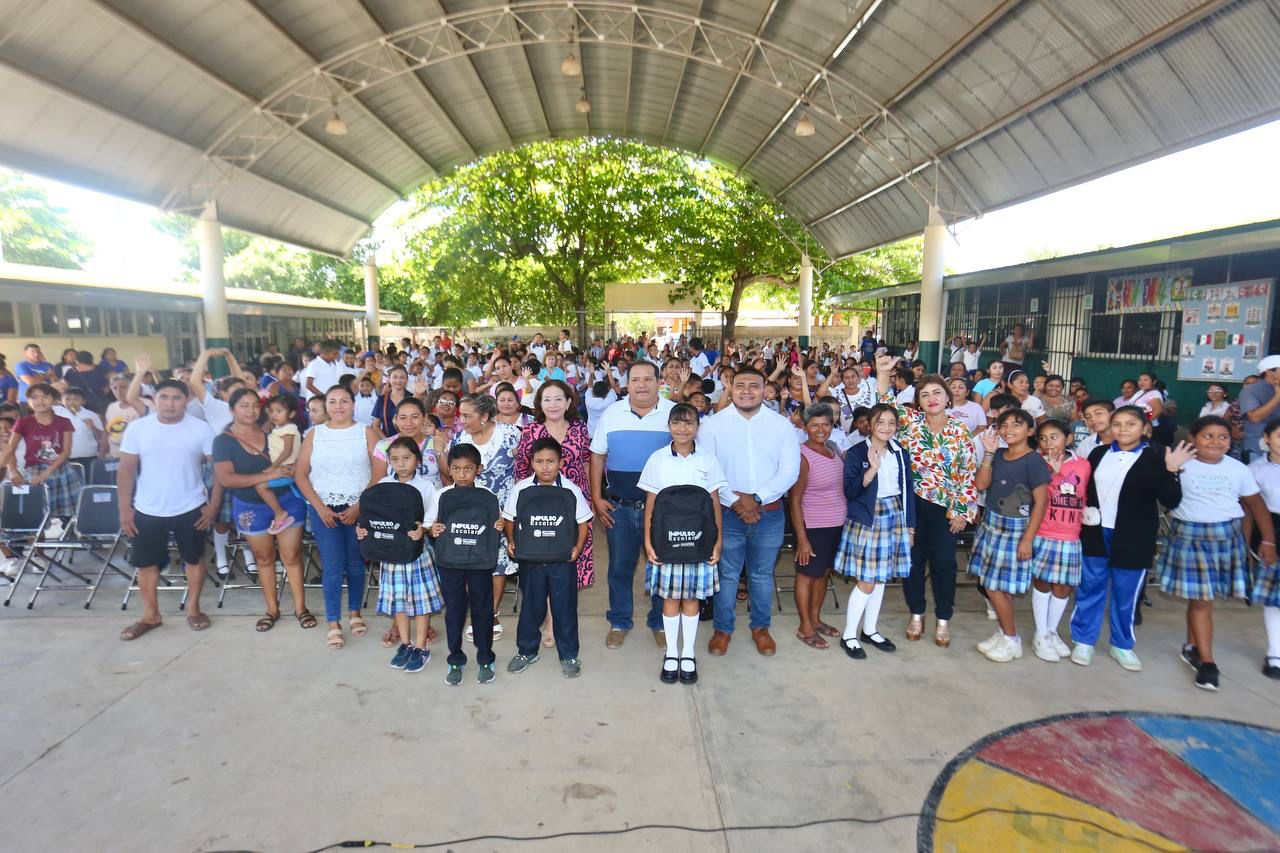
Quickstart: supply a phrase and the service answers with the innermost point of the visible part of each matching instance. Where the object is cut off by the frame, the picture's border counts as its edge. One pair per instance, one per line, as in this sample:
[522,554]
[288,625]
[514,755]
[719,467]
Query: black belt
[621,502]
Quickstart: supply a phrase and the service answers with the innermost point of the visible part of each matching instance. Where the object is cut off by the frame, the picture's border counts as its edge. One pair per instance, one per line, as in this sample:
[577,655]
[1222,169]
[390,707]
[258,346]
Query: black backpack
[470,539]
[546,527]
[389,511]
[683,529]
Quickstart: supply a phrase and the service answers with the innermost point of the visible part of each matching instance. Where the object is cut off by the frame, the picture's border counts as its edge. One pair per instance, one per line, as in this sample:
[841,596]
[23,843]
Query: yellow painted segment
[977,785]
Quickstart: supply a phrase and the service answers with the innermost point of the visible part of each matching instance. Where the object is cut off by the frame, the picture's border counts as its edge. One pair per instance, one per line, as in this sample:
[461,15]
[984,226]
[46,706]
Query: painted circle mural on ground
[1114,781]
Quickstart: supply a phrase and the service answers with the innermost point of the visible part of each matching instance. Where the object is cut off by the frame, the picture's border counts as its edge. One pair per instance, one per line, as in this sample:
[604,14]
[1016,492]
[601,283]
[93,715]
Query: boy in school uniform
[554,579]
[1097,417]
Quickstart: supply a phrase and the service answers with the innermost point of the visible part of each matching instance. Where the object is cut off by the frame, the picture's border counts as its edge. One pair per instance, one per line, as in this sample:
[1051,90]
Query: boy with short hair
[89,439]
[1097,417]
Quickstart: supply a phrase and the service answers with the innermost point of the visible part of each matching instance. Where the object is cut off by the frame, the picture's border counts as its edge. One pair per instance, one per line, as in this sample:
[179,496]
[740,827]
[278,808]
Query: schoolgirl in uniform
[1056,557]
[1205,556]
[875,546]
[1266,588]
[1118,536]
[1016,480]
[409,589]
[682,585]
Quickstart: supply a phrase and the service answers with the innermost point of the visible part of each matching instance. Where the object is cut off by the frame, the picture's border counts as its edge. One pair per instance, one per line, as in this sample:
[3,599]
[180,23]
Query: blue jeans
[1091,599]
[339,559]
[626,539]
[753,547]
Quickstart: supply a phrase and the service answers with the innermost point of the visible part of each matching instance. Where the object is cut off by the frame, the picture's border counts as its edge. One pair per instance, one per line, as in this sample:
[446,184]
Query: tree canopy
[33,231]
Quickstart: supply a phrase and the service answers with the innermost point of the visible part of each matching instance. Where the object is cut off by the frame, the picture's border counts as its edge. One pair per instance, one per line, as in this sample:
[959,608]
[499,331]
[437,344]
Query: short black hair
[1097,401]
[404,443]
[682,412]
[861,412]
[167,383]
[546,443]
[1003,401]
[465,453]
[747,370]
[642,363]
[1017,414]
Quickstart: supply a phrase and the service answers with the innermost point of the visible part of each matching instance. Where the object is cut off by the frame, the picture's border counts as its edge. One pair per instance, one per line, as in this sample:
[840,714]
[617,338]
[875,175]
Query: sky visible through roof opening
[1230,181]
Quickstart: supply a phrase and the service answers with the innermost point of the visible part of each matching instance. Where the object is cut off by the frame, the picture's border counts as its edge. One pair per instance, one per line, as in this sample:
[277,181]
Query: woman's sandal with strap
[358,626]
[305,619]
[266,623]
[334,639]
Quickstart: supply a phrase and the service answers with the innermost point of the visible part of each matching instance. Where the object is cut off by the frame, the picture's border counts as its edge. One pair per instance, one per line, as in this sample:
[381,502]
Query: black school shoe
[884,644]
[688,676]
[670,676]
[1207,677]
[1271,668]
[1191,655]
[855,652]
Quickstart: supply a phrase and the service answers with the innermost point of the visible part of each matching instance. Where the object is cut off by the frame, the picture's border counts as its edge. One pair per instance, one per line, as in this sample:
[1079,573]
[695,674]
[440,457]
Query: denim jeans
[538,582]
[753,547]
[626,540]
[935,546]
[339,559]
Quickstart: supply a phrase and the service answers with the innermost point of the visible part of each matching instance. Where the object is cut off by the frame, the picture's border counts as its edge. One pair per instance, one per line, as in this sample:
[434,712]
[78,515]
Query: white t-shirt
[1212,492]
[566,345]
[906,396]
[364,408]
[171,456]
[84,441]
[1033,406]
[666,468]
[970,359]
[1267,475]
[971,414]
[1109,478]
[539,351]
[214,411]
[581,512]
[699,365]
[596,406]
[326,375]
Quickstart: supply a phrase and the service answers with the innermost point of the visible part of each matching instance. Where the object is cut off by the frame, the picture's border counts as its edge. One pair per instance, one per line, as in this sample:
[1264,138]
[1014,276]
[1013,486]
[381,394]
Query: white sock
[671,624]
[220,547]
[1040,610]
[871,619]
[689,627]
[1271,618]
[1057,607]
[854,610]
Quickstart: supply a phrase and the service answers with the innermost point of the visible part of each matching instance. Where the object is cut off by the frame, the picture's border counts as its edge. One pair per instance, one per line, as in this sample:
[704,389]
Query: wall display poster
[1147,292]
[1225,329]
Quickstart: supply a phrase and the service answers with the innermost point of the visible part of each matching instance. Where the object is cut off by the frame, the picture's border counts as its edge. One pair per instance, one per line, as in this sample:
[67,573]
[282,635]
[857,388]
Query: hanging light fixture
[571,67]
[583,106]
[335,126]
[804,127]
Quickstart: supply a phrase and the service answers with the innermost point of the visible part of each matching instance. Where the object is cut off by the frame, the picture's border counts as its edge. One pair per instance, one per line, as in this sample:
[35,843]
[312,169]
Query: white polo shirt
[667,468]
[582,512]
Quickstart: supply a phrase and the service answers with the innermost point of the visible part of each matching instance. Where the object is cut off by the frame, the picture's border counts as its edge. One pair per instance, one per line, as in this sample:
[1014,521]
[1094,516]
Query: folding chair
[103,472]
[239,548]
[24,514]
[94,529]
[173,577]
[789,544]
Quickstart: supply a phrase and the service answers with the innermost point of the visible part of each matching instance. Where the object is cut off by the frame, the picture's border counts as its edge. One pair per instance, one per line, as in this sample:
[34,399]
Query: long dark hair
[238,395]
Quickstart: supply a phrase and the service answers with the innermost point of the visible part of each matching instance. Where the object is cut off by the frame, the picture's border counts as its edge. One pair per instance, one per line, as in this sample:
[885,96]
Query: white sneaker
[1005,649]
[1127,659]
[9,567]
[1082,654]
[991,612]
[990,642]
[1059,645]
[1044,649]
[54,529]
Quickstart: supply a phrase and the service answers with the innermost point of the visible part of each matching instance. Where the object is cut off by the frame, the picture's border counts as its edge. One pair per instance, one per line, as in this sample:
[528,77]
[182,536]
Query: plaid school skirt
[410,588]
[224,511]
[1266,585]
[1202,561]
[64,488]
[1057,561]
[995,554]
[682,580]
[879,553]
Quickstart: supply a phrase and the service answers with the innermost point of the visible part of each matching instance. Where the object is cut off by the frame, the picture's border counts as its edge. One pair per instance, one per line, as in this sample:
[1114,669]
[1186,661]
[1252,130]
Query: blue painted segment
[1242,761]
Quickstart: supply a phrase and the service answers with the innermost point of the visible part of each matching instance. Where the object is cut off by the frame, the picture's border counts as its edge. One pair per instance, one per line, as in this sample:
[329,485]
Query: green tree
[32,231]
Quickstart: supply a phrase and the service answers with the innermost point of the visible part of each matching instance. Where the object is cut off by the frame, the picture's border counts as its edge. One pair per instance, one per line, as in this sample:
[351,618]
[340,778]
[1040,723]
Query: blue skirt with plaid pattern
[881,552]
[995,554]
[1203,560]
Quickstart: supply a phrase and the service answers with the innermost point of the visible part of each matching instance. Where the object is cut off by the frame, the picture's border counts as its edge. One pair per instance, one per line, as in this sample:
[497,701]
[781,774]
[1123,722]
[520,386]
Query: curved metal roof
[969,104]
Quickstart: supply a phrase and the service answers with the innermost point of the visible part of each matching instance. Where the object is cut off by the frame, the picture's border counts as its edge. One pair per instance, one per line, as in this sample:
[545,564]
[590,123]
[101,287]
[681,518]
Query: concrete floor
[231,740]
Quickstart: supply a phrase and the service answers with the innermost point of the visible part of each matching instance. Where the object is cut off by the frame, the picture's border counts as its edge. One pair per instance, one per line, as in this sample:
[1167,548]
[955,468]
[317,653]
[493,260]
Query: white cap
[1271,362]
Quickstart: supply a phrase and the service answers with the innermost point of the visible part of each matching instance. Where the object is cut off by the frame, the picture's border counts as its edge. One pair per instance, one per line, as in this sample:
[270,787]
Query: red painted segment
[1116,766]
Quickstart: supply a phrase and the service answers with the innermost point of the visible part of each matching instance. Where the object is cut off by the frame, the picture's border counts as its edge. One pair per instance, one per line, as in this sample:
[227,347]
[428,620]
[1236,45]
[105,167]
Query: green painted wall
[1103,376]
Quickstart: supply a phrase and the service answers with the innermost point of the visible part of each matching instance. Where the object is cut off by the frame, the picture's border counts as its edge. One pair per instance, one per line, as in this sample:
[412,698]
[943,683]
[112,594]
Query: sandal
[742,594]
[828,630]
[198,622]
[813,641]
[137,629]
[432,635]
[358,626]
[305,618]
[391,638]
[334,639]
[266,623]
[548,639]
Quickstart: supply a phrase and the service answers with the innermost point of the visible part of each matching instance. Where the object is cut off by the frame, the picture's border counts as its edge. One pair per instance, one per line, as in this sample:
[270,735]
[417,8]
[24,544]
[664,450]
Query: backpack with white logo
[470,539]
[545,525]
[388,511]
[683,529]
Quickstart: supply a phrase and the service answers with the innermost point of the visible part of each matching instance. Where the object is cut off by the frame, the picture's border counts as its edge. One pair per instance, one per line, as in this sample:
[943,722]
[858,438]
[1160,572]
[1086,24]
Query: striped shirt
[628,440]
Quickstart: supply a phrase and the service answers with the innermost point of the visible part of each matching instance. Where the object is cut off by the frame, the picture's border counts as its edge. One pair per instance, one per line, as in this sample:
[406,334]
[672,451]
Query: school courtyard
[233,740]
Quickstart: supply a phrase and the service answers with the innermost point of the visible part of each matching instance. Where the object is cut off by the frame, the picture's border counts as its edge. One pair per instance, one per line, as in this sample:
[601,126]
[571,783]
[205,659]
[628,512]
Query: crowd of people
[455,466]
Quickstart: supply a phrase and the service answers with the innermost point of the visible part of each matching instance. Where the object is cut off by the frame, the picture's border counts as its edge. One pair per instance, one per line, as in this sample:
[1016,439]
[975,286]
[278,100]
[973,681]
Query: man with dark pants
[628,433]
[758,451]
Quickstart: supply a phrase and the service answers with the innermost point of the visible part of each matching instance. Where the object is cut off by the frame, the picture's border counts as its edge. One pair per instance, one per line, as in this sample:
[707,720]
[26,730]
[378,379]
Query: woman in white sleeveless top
[333,468]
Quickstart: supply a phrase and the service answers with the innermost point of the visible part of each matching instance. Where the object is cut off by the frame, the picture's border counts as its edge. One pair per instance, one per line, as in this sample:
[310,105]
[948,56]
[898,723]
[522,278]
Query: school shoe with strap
[1127,659]
[1044,649]
[1207,677]
[688,671]
[1082,654]
[880,641]
[1007,649]
[1271,668]
[669,676]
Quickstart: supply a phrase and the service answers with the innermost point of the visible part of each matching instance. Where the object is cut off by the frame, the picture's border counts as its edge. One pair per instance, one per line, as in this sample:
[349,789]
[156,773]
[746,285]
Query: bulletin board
[1225,329]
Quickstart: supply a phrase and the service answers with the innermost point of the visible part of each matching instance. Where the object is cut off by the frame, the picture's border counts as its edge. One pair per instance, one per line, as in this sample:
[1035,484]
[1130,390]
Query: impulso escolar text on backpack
[546,528]
[683,529]
[470,539]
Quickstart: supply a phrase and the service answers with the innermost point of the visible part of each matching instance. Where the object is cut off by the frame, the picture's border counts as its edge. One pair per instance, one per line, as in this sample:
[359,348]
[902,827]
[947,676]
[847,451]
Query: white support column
[213,285]
[371,323]
[931,307]
[805,323]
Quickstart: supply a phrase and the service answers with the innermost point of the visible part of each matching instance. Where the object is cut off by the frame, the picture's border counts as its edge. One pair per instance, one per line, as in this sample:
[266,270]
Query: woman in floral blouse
[943,465]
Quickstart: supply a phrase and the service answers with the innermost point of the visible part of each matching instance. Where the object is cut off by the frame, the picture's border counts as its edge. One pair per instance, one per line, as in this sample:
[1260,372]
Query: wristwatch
[757,499]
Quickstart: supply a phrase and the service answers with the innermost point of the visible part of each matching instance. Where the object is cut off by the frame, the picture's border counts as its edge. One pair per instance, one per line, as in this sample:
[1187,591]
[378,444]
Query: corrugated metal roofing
[177,103]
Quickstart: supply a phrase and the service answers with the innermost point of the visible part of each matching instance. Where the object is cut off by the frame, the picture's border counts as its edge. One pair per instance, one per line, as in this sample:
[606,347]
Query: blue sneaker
[454,677]
[485,673]
[402,656]
[418,659]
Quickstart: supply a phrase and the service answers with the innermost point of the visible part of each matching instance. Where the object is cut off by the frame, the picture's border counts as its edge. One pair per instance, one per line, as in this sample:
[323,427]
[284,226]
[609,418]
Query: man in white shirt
[162,494]
[761,459]
[323,372]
